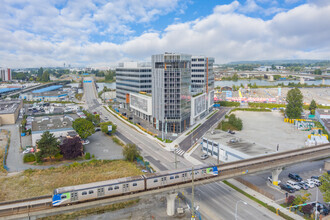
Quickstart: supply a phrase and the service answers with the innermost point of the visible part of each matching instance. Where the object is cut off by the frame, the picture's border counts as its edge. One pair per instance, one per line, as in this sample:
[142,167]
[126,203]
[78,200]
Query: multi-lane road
[216,200]
[159,158]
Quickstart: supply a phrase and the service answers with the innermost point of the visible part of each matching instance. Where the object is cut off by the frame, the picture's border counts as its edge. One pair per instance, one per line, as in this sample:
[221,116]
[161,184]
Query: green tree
[273,67]
[48,145]
[45,76]
[104,127]
[299,200]
[131,152]
[312,107]
[235,77]
[317,72]
[40,72]
[325,187]
[294,107]
[83,127]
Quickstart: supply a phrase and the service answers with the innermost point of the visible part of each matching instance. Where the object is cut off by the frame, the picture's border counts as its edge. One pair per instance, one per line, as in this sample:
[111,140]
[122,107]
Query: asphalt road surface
[201,130]
[149,148]
[218,201]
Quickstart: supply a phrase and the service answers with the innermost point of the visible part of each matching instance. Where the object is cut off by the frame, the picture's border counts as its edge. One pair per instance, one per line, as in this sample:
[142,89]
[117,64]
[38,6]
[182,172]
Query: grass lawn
[32,183]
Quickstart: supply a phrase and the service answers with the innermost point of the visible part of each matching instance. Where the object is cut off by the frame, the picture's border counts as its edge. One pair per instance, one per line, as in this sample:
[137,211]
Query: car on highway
[270,179]
[204,156]
[293,184]
[106,118]
[85,141]
[295,177]
[287,188]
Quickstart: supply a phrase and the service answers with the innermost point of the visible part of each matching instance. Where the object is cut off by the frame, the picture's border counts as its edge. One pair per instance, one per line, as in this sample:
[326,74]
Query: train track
[231,169]
[25,205]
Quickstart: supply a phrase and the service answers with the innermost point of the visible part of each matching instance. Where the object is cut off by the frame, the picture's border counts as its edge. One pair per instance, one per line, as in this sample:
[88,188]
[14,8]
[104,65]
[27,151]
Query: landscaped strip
[271,208]
[92,211]
[212,114]
[193,129]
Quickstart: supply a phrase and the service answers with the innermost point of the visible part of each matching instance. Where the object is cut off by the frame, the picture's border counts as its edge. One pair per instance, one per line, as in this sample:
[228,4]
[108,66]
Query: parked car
[287,188]
[231,132]
[315,181]
[303,185]
[204,156]
[270,178]
[310,184]
[295,177]
[293,184]
[315,177]
[86,141]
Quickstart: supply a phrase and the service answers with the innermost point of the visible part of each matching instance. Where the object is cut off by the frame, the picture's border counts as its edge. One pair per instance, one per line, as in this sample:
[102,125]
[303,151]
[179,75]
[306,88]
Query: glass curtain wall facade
[202,75]
[171,95]
[132,79]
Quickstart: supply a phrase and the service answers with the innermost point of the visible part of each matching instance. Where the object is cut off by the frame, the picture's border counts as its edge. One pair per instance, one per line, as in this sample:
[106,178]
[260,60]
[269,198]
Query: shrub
[88,156]
[38,157]
[307,209]
[290,200]
[29,158]
[58,156]
[131,152]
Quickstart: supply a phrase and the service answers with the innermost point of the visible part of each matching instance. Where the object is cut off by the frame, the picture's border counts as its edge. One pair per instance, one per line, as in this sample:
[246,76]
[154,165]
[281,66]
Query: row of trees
[49,147]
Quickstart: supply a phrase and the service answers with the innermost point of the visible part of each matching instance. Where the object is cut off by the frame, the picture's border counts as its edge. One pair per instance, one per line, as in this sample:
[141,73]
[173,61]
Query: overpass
[36,87]
[226,171]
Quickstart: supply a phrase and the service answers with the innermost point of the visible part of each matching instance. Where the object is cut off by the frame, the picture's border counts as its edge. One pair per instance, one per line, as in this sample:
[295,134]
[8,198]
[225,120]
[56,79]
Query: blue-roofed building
[50,93]
[6,90]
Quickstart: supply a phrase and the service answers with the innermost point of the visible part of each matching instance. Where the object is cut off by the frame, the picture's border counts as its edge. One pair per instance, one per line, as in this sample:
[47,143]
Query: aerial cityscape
[160,109]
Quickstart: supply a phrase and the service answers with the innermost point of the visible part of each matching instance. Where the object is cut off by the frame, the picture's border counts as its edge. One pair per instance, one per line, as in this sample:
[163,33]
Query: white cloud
[226,34]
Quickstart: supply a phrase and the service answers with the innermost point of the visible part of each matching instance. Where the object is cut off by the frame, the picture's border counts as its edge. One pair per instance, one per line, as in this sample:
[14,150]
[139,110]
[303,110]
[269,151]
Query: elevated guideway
[226,171]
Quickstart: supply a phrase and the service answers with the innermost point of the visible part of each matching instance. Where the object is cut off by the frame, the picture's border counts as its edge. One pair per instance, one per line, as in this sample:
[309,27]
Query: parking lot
[304,170]
[102,146]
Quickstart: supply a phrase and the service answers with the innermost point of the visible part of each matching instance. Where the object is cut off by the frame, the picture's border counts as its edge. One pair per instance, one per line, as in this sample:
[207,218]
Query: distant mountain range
[278,62]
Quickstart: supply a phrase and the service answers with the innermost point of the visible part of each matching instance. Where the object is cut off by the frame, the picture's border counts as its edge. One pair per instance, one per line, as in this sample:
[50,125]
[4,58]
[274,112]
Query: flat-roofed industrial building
[9,111]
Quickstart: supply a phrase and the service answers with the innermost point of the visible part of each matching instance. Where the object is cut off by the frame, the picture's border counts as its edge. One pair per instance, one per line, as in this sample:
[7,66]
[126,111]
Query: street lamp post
[237,205]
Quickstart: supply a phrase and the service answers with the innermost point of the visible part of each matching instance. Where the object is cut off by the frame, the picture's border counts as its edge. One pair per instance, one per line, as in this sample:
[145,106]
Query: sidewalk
[264,199]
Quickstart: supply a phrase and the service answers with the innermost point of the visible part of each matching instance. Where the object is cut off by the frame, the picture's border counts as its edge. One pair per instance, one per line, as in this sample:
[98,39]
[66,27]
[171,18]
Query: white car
[315,181]
[310,184]
[270,178]
[84,142]
[293,184]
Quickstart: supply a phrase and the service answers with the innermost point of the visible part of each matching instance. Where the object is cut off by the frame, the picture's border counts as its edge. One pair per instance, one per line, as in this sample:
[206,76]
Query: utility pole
[218,154]
[176,162]
[192,195]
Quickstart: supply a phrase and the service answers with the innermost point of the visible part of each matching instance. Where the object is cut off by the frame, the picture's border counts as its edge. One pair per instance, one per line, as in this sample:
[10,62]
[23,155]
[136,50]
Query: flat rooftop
[323,111]
[326,122]
[51,123]
[9,107]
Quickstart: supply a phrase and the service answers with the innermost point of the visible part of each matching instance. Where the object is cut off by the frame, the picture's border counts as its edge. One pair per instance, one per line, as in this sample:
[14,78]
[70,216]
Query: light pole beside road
[237,205]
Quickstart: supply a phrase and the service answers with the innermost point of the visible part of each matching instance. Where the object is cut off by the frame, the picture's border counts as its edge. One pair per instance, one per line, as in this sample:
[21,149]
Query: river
[230,83]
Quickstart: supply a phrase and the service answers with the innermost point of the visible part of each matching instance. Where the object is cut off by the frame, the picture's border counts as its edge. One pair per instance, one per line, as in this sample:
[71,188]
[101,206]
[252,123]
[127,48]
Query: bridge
[10,94]
[226,171]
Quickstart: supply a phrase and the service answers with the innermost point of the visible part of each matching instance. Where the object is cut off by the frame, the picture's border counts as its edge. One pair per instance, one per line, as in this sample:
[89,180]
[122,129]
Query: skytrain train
[128,185]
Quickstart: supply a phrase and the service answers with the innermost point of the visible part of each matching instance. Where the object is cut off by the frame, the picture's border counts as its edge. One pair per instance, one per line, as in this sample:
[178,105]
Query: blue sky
[101,33]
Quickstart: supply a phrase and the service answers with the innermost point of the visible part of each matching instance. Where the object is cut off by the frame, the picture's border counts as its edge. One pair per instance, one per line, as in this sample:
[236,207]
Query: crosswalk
[180,152]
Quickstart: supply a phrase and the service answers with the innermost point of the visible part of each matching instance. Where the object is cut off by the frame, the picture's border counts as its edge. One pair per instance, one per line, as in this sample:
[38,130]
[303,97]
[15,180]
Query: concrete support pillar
[323,81]
[271,78]
[275,173]
[302,80]
[171,203]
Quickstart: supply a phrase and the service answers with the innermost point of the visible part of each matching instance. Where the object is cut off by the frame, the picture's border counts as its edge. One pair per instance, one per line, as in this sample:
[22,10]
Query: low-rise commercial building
[9,111]
[58,126]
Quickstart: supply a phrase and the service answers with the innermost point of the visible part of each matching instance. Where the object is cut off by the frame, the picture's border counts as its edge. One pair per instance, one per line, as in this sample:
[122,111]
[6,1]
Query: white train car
[80,193]
[165,178]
